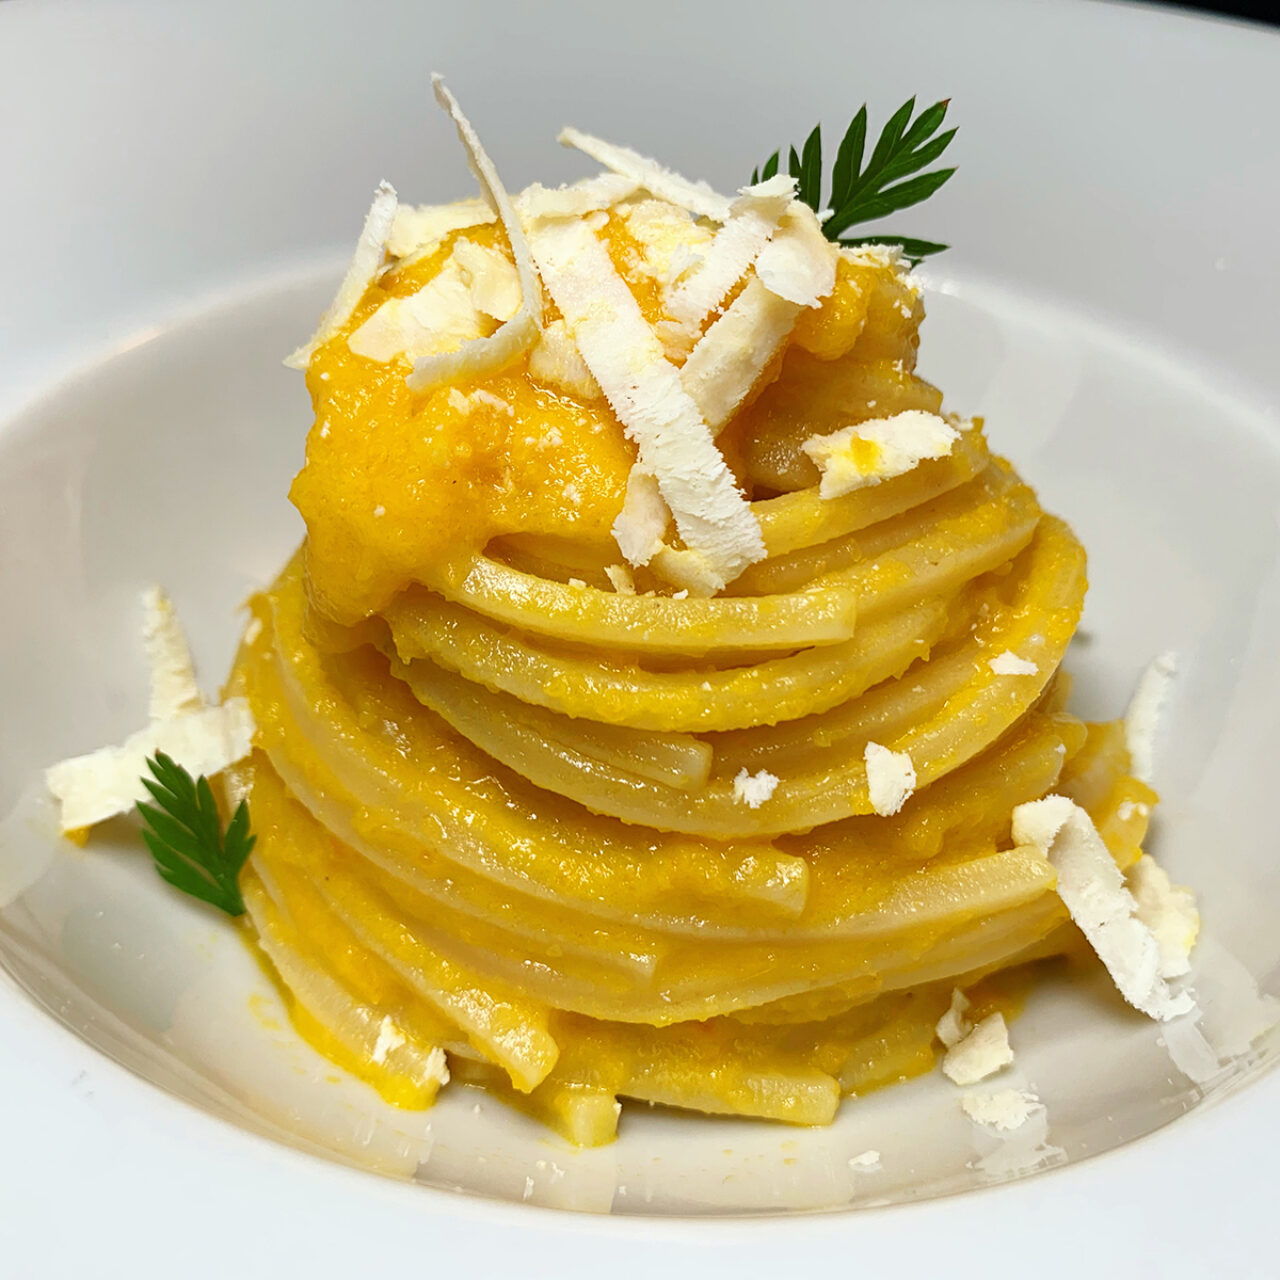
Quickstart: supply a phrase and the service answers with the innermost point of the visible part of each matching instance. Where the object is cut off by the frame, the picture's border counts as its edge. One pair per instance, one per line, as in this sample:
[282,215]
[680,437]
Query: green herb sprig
[884,186]
[184,833]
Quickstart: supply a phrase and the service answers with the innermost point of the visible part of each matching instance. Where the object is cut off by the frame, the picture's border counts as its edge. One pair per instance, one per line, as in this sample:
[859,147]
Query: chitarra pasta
[645,713]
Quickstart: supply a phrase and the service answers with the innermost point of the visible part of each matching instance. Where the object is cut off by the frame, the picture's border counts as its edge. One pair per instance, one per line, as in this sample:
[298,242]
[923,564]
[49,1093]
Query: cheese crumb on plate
[983,1052]
[1004,1109]
[1093,890]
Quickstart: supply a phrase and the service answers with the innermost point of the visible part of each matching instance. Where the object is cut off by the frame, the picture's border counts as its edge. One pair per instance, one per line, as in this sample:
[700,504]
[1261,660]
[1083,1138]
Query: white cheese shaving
[360,273]
[493,351]
[491,277]
[574,201]
[389,1037]
[1142,719]
[869,1160]
[753,789]
[686,569]
[642,522]
[697,197]
[418,229]
[799,262]
[1169,911]
[671,242]
[983,1052]
[878,449]
[1093,889]
[891,778]
[953,1026]
[1009,664]
[174,691]
[729,358]
[1004,1109]
[752,220]
[97,786]
[620,578]
[644,391]
[555,362]
[439,318]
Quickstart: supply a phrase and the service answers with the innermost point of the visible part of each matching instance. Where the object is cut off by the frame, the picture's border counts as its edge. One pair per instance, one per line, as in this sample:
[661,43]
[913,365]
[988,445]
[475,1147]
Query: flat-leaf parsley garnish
[884,186]
[184,833]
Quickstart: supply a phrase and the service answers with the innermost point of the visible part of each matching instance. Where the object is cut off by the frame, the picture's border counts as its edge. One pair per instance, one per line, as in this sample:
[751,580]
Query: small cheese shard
[671,241]
[574,201]
[492,278]
[1093,889]
[1009,664]
[1169,911]
[799,262]
[1004,1109]
[555,362]
[642,522]
[983,1052]
[390,1037]
[360,273]
[697,197]
[644,390]
[752,220]
[953,1026]
[878,449]
[416,229]
[753,789]
[439,318]
[1142,719]
[730,357]
[174,691]
[104,783]
[620,579]
[869,1160]
[891,778]
[516,335]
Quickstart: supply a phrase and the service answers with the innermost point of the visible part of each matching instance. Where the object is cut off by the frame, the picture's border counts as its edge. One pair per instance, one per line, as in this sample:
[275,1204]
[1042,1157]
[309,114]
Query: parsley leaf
[885,185]
[184,833]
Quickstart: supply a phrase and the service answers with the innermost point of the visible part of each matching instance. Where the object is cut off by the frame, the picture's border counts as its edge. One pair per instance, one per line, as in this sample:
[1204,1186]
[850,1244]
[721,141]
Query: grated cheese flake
[107,782]
[390,1037]
[644,390]
[1093,890]
[752,220]
[1009,664]
[620,579]
[730,357]
[866,453]
[953,1026]
[555,362]
[512,338]
[799,262]
[360,273]
[1169,911]
[491,277]
[418,229]
[174,690]
[439,318]
[574,201]
[1003,1109]
[697,197]
[891,778]
[753,789]
[983,1052]
[642,522]
[1142,719]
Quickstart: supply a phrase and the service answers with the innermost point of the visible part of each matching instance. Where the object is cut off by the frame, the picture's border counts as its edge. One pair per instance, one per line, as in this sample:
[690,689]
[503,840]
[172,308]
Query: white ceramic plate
[182,182]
